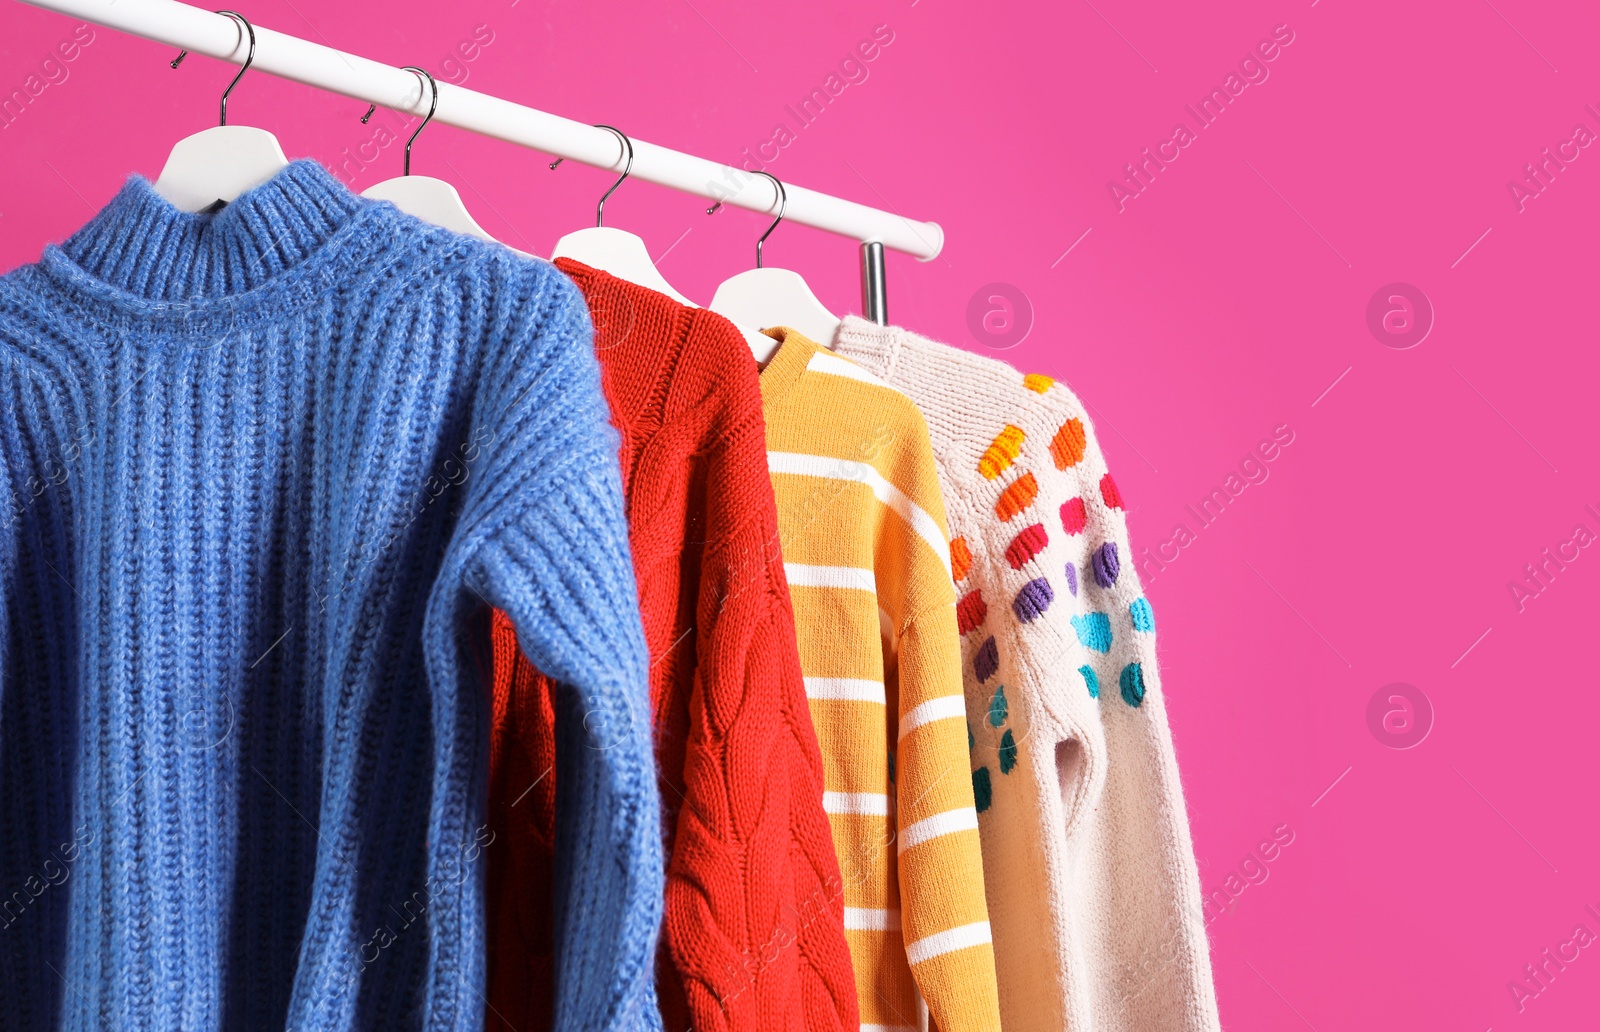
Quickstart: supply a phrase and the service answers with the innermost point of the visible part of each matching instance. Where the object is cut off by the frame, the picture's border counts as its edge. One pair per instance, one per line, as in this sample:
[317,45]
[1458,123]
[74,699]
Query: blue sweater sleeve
[544,537]
[570,593]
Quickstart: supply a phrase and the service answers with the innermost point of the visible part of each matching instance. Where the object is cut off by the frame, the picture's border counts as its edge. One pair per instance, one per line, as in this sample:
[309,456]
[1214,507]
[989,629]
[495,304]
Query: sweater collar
[875,348]
[794,354]
[141,252]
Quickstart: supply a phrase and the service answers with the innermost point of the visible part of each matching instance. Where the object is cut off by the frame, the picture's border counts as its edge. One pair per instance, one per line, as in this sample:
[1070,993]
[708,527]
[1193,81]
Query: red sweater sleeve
[522,781]
[755,906]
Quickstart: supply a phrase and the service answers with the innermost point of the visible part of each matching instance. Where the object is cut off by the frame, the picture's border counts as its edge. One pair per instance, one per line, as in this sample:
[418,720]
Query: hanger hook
[432,107]
[627,170]
[783,205]
[250,59]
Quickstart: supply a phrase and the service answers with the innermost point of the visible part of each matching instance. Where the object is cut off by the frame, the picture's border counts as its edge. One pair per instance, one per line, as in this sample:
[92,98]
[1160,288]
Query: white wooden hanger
[612,250]
[214,166]
[761,297]
[429,199]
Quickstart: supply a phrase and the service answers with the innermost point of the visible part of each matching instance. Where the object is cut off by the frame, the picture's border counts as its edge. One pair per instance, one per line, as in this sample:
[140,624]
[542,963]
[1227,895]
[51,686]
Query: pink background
[1222,302]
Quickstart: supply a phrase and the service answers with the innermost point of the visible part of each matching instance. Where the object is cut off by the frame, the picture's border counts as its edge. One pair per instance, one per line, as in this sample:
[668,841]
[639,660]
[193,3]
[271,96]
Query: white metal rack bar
[215,35]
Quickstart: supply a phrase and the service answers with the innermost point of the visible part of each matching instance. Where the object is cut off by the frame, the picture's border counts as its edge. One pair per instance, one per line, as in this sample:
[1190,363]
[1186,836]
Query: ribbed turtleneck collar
[141,251]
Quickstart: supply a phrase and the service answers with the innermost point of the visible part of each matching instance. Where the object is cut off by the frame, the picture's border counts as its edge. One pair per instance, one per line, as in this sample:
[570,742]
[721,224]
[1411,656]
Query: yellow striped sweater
[862,527]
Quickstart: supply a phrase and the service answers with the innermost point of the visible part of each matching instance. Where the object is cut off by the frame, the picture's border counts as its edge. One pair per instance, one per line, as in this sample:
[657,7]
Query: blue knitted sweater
[262,473]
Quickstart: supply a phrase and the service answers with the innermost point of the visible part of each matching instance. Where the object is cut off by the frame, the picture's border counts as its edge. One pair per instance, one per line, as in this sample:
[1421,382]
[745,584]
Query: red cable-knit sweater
[753,935]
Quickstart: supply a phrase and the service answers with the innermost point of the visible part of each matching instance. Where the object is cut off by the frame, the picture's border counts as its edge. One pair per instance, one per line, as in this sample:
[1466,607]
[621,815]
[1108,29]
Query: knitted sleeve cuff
[561,571]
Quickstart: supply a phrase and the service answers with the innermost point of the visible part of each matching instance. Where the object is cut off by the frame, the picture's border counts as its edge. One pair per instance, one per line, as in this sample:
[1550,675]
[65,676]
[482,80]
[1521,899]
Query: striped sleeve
[943,911]
[866,554]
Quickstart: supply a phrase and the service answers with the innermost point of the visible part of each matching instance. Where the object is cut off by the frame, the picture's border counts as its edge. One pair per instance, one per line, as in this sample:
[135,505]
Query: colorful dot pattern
[982,790]
[1109,493]
[1007,751]
[1074,516]
[1067,449]
[999,456]
[1033,600]
[998,708]
[1133,684]
[960,559]
[1093,630]
[986,661]
[1105,564]
[1017,497]
[1029,543]
[970,612]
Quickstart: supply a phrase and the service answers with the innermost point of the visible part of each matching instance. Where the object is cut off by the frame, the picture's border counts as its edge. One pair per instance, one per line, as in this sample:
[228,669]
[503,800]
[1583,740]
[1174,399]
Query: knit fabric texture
[264,470]
[522,807]
[868,561]
[753,935]
[1093,891]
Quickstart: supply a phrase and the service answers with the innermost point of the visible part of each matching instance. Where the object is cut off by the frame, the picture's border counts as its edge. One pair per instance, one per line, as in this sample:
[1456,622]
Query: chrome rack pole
[874,287]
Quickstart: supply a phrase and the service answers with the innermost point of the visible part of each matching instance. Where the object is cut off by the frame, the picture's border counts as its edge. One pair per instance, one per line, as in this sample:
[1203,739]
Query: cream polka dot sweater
[1094,897]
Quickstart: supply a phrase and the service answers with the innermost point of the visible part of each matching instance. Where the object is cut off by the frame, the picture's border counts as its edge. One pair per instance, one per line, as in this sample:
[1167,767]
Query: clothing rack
[216,35]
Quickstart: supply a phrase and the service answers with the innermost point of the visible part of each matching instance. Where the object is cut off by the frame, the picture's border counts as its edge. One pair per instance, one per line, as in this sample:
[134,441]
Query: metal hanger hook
[783,205]
[250,59]
[432,107]
[627,170]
